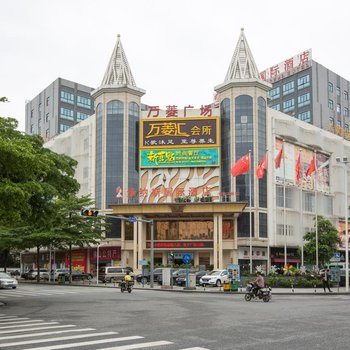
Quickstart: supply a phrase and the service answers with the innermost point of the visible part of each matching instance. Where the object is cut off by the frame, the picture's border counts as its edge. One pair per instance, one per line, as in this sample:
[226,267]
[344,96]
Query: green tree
[72,229]
[328,241]
[39,206]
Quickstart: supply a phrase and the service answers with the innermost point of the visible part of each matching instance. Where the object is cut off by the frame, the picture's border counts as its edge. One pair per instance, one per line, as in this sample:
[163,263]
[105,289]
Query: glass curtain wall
[114,150]
[98,164]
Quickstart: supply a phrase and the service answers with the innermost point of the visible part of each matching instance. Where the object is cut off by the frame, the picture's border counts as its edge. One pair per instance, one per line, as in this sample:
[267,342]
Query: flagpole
[250,214]
[316,223]
[284,207]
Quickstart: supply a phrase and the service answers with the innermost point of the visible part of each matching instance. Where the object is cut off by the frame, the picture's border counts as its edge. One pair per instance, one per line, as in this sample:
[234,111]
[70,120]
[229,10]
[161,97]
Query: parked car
[156,273]
[32,274]
[214,278]
[57,272]
[76,275]
[6,281]
[114,273]
[181,280]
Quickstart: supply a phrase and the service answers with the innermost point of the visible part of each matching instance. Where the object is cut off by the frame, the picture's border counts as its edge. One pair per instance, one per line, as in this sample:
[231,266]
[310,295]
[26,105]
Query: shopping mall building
[172,165]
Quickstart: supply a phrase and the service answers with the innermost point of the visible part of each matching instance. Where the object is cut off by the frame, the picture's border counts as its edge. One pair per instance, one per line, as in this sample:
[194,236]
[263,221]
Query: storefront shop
[205,230]
[259,258]
[278,257]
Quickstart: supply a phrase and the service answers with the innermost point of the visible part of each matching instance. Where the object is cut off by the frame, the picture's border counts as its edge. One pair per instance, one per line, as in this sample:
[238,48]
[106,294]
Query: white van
[114,273]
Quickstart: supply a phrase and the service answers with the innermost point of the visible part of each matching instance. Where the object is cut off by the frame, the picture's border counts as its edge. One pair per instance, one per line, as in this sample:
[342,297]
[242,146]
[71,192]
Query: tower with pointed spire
[118,109]
[243,104]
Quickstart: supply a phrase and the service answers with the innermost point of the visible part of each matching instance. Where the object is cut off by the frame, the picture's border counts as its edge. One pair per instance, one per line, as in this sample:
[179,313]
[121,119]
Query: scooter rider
[259,283]
[127,278]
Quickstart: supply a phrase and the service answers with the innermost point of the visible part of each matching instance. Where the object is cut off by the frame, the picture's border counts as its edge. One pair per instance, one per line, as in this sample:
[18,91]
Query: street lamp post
[97,261]
[344,161]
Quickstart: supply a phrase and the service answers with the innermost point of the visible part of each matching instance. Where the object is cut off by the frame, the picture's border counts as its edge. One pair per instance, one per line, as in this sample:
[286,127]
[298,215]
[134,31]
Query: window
[67,113]
[279,197]
[47,133]
[84,102]
[305,116]
[81,116]
[31,128]
[274,93]
[32,113]
[67,97]
[289,230]
[330,87]
[338,91]
[346,128]
[308,201]
[304,100]
[331,121]
[47,100]
[277,107]
[288,105]
[47,117]
[346,111]
[330,104]
[64,128]
[338,108]
[303,82]
[346,95]
[288,88]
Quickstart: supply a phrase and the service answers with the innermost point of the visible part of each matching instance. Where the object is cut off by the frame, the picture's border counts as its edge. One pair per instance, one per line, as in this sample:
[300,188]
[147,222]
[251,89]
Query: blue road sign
[186,258]
[336,256]
[132,219]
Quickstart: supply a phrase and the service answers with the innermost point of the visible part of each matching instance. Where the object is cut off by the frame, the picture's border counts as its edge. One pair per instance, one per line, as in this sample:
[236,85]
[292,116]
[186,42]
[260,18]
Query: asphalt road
[170,320]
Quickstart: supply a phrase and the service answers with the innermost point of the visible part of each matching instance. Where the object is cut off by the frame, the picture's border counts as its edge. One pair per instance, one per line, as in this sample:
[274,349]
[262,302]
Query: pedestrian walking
[325,280]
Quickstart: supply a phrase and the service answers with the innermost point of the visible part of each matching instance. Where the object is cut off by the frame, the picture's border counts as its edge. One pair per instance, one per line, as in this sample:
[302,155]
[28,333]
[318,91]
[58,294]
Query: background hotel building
[114,167]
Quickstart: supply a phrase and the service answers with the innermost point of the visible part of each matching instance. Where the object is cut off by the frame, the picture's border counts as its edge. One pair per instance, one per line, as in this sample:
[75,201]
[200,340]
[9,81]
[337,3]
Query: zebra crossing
[36,292]
[23,333]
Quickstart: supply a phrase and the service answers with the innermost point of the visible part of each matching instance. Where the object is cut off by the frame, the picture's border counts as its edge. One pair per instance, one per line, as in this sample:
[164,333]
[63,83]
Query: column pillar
[215,243]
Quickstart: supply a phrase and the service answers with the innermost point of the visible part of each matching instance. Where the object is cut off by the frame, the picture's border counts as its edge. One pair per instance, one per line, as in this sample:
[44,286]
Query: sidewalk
[199,289]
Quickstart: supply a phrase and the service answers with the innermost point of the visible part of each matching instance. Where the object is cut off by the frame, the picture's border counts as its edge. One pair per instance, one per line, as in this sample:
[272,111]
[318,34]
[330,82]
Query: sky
[178,51]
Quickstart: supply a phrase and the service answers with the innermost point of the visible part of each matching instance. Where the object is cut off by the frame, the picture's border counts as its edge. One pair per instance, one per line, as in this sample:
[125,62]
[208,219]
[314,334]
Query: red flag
[261,168]
[278,158]
[297,170]
[312,167]
[242,166]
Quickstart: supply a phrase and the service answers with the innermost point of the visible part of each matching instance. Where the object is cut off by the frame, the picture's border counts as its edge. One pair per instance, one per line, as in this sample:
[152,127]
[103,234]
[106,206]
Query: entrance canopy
[179,210]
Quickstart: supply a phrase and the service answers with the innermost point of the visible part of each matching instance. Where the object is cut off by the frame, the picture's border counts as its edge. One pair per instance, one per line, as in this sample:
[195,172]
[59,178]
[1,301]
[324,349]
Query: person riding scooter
[258,283]
[127,278]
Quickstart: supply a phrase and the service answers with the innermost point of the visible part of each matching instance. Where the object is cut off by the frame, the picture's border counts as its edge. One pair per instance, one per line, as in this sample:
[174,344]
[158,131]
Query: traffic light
[89,212]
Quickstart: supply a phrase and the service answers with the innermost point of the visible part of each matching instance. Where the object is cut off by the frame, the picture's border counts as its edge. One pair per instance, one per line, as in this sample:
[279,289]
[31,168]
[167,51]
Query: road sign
[186,258]
[143,262]
[336,256]
[132,219]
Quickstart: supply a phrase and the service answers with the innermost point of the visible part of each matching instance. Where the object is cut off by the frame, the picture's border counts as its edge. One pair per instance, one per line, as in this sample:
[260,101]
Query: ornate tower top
[118,71]
[242,64]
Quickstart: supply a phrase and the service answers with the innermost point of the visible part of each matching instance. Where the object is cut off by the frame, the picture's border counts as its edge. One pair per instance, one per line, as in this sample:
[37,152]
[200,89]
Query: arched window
[114,149]
[98,164]
[133,164]
[225,147]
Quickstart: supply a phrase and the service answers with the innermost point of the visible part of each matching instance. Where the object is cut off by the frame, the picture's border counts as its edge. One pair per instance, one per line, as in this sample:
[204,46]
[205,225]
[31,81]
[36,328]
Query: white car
[214,278]
[6,281]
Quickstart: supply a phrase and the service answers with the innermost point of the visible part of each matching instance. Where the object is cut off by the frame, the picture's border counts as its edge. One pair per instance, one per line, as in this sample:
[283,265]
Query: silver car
[6,281]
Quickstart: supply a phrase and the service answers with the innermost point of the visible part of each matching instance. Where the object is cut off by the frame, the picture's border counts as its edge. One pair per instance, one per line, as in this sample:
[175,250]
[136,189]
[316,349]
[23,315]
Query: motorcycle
[252,293]
[126,286]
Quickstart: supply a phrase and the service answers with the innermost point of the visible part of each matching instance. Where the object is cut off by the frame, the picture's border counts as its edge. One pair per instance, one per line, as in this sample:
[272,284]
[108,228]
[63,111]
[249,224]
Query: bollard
[292,288]
[315,287]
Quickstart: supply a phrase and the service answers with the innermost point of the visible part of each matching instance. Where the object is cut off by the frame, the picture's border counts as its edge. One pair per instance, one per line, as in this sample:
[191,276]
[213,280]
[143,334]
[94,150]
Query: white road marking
[92,342]
[35,329]
[31,324]
[140,345]
[20,323]
[45,333]
[37,341]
